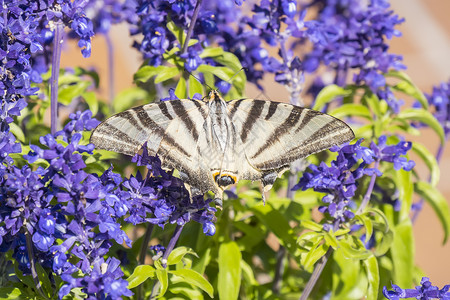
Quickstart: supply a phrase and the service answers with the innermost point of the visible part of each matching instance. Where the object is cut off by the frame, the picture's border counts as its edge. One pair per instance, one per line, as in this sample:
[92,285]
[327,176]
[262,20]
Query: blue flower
[439,99]
[350,35]
[393,153]
[425,291]
[193,59]
[340,179]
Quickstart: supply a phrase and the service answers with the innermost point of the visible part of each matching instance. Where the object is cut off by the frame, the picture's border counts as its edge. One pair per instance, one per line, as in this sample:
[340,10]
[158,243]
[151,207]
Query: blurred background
[425,47]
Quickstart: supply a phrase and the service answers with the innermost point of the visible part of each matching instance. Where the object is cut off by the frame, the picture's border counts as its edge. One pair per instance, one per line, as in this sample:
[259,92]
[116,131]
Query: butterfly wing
[275,134]
[172,129]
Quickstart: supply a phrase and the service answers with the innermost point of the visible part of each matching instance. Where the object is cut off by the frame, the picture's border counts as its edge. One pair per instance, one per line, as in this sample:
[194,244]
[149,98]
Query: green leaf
[211,52]
[232,63]
[330,239]
[379,213]
[229,60]
[437,202]
[347,110]
[203,261]
[408,87]
[92,102]
[277,223]
[423,116]
[402,252]
[67,78]
[229,279]
[311,225]
[166,74]
[195,279]
[316,253]
[140,274]
[180,90]
[373,102]
[328,94]
[186,291]
[146,72]
[309,238]
[178,32]
[367,222]
[67,93]
[405,188]
[354,248]
[44,280]
[384,244]
[430,161]
[373,277]
[223,73]
[346,275]
[17,131]
[163,278]
[128,98]
[194,87]
[177,255]
[27,280]
[10,293]
[247,273]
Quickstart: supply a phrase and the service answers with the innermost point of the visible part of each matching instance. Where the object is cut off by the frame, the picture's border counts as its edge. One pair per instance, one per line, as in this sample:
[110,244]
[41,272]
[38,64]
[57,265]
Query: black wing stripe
[272,109]
[131,118]
[199,106]
[148,123]
[309,115]
[165,111]
[107,130]
[253,115]
[289,122]
[317,142]
[235,107]
[180,111]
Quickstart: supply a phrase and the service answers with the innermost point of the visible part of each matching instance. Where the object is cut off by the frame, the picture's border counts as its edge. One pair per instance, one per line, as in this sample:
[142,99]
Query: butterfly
[214,144]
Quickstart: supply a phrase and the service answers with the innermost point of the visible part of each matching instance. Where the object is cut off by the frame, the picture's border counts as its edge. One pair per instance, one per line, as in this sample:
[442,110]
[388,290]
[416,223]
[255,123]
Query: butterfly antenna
[198,79]
[264,94]
[235,74]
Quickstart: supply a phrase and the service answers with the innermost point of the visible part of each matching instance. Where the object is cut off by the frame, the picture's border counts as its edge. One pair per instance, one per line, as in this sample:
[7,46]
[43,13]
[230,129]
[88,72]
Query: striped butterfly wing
[275,134]
[173,130]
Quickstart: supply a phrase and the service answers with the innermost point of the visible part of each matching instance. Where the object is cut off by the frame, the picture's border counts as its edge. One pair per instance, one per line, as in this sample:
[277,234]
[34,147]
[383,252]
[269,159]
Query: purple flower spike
[425,291]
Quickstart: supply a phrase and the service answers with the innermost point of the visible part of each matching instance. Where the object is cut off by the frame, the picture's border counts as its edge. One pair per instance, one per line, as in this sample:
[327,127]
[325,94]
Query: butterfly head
[214,96]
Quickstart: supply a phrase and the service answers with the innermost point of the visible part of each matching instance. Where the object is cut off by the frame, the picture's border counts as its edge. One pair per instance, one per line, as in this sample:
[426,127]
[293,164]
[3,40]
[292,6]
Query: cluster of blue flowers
[340,180]
[425,291]
[62,201]
[73,217]
[440,100]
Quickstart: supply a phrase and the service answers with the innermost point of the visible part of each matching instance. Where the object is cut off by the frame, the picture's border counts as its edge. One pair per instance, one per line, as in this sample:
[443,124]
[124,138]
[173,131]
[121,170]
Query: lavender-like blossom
[440,100]
[424,291]
[349,35]
[164,198]
[340,180]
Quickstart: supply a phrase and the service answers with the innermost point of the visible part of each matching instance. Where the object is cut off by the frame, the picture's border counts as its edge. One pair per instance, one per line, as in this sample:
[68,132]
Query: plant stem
[191,26]
[295,83]
[318,269]
[110,47]
[144,245]
[171,245]
[279,270]
[143,255]
[366,198]
[316,274]
[56,59]
[281,254]
[34,274]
